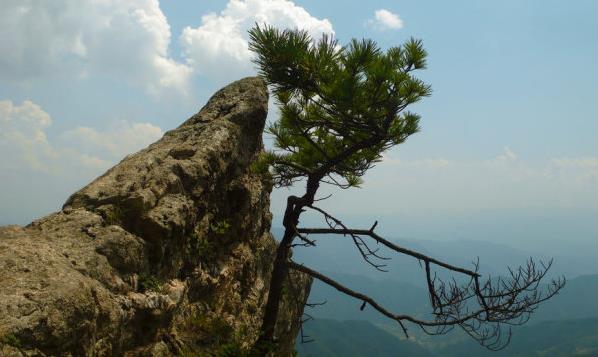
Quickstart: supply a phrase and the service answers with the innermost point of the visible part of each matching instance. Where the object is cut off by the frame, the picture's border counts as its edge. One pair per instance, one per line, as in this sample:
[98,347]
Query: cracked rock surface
[167,253]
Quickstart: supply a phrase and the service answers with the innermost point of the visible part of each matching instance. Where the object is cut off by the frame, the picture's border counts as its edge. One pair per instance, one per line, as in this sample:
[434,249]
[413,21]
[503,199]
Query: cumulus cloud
[26,148]
[219,45]
[385,20]
[121,139]
[22,135]
[130,40]
[126,39]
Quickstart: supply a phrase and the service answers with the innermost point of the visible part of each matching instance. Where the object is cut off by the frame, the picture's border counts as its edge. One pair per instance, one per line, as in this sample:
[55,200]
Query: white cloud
[582,162]
[25,146]
[82,38]
[23,140]
[444,186]
[507,156]
[385,20]
[121,139]
[219,46]
[585,169]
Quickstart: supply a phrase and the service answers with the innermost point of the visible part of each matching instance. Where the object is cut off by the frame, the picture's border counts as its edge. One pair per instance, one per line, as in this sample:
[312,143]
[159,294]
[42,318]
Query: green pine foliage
[340,107]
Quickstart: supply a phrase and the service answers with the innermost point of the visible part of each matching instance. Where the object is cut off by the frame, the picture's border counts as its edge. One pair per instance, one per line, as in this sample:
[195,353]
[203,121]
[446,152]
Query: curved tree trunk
[281,265]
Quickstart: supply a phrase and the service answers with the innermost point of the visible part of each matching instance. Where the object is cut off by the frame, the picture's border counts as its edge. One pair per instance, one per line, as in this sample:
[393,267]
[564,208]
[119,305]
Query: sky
[507,151]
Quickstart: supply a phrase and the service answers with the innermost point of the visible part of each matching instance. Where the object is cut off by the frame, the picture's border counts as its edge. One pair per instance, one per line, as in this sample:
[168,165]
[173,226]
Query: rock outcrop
[167,253]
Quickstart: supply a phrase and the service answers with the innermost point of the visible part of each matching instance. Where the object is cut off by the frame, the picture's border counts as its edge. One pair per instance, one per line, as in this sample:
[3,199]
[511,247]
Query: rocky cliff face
[167,253]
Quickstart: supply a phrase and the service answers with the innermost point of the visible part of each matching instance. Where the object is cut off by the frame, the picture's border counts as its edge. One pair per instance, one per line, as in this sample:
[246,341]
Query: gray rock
[167,253]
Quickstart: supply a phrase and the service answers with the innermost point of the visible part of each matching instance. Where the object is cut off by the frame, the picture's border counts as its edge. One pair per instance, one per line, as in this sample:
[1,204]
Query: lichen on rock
[167,253]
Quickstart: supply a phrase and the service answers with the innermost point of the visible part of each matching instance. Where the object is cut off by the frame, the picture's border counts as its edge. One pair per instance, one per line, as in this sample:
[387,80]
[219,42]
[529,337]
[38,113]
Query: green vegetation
[215,327]
[354,338]
[220,227]
[230,350]
[148,282]
[341,108]
[204,248]
[215,332]
[10,340]
[577,337]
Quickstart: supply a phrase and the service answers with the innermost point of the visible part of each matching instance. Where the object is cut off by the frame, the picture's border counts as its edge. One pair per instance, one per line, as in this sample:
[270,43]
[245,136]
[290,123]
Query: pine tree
[341,108]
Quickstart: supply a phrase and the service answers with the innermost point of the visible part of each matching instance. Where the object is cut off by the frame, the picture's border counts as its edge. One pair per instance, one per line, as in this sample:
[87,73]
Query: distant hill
[566,325]
[494,258]
[577,300]
[551,338]
[354,338]
[398,296]
[359,338]
[337,254]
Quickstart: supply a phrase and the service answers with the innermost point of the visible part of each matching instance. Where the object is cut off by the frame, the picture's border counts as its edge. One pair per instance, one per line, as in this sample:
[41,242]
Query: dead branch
[370,232]
[366,252]
[345,290]
[480,309]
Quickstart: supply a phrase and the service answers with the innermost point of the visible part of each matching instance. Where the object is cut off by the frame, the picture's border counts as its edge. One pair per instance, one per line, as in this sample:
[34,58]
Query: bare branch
[480,309]
[335,137]
[363,248]
[393,246]
[323,198]
[345,290]
[306,242]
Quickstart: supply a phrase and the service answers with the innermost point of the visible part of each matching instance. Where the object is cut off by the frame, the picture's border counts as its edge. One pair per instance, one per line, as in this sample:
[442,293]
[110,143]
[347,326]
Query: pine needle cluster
[341,107]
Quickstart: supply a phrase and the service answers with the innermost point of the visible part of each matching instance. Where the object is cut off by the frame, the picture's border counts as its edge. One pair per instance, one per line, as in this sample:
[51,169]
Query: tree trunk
[265,342]
[279,273]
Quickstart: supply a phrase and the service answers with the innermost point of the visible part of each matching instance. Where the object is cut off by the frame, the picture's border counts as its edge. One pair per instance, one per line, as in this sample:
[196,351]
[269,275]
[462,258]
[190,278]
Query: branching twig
[345,290]
[393,246]
[365,251]
[498,302]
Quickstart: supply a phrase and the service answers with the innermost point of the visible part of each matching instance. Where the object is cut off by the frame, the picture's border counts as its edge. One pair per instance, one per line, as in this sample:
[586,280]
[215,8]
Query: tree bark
[281,264]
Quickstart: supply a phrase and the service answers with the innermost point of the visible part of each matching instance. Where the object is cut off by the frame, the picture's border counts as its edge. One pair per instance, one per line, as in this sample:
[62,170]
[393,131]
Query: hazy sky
[507,152]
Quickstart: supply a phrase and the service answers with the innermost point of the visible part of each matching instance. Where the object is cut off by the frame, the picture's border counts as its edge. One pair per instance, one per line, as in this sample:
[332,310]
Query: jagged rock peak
[167,253]
[160,192]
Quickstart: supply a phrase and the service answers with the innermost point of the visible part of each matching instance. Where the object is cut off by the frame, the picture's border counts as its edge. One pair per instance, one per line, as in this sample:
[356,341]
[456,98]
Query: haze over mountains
[362,338]
[494,258]
[563,326]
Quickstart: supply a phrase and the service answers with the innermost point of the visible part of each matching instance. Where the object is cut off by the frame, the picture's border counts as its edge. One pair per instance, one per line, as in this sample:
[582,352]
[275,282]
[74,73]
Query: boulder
[167,253]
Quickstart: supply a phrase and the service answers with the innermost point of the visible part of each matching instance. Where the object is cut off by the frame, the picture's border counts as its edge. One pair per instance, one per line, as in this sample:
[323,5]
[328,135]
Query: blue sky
[507,150]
